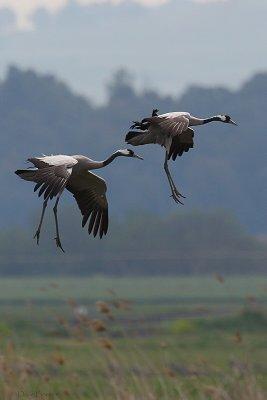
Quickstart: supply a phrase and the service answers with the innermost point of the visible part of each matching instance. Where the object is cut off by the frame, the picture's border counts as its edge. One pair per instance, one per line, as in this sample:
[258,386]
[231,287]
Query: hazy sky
[24,9]
[167,44]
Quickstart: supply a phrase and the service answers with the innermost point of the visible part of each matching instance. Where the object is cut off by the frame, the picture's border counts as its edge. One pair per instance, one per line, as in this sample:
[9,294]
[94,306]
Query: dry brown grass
[89,363]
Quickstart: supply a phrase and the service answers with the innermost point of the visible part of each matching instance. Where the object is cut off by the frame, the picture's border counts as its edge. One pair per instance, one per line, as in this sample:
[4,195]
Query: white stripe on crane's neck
[107,161]
[217,118]
[194,121]
[118,153]
[88,164]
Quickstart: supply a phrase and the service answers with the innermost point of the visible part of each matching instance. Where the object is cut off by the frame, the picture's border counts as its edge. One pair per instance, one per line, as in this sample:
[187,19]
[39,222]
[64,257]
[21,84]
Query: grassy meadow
[144,338]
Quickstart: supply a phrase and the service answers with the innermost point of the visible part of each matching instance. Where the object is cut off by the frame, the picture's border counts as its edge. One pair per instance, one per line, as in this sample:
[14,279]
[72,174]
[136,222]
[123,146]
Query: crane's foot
[176,196]
[58,243]
[176,191]
[176,199]
[37,236]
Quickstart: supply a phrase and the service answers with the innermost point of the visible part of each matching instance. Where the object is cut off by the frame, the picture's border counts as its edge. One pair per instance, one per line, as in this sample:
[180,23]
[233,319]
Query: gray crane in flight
[172,131]
[52,174]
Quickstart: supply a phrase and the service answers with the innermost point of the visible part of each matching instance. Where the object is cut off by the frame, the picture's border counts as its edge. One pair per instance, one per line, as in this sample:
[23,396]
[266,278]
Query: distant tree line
[141,244]
[225,170]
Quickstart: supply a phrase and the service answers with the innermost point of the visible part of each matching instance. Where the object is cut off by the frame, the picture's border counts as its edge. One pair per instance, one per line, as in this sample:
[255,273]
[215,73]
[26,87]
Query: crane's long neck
[202,121]
[104,163]
[211,119]
[110,159]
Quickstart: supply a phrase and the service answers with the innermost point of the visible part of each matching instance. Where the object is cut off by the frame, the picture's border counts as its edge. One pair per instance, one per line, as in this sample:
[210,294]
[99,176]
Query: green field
[133,338]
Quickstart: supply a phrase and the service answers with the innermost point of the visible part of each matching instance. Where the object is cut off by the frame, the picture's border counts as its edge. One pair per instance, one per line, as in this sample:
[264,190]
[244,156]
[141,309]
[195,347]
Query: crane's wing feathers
[51,180]
[181,143]
[161,130]
[171,125]
[137,138]
[53,161]
[171,132]
[89,190]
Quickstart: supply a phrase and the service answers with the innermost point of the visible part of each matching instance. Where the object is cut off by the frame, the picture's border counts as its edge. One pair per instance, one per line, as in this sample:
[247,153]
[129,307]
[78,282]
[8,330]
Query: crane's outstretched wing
[169,124]
[160,129]
[52,161]
[50,179]
[89,190]
[139,138]
[181,143]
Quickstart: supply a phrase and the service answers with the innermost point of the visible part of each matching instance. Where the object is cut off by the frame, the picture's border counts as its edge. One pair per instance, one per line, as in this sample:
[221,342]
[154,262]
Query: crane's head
[128,153]
[226,119]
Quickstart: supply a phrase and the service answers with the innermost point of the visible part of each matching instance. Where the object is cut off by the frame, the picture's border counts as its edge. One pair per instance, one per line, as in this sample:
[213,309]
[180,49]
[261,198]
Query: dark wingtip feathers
[27,174]
[21,172]
[98,223]
[130,135]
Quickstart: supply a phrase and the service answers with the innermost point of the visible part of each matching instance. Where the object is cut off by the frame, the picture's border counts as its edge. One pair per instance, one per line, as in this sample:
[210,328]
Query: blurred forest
[140,244]
[226,172]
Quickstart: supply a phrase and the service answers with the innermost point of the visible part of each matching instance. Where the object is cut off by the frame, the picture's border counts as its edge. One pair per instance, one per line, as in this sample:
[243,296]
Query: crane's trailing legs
[175,192]
[38,231]
[37,234]
[57,238]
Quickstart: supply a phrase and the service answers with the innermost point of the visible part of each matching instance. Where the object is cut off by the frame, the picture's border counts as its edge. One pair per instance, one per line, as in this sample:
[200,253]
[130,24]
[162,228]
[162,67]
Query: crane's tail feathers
[27,174]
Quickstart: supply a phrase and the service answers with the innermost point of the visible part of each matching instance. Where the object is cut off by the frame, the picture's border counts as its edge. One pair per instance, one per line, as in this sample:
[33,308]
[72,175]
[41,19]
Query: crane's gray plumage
[172,131]
[53,174]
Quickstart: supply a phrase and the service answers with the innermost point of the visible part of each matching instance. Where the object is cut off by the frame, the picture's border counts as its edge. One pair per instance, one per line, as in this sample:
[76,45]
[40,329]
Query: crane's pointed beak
[139,157]
[233,122]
